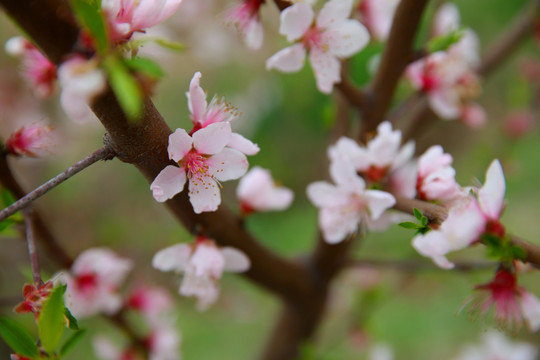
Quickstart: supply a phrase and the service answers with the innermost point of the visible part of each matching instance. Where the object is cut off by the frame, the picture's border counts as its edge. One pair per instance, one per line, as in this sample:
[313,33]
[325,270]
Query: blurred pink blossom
[519,123]
[378,16]
[246,18]
[436,177]
[35,140]
[496,346]
[152,302]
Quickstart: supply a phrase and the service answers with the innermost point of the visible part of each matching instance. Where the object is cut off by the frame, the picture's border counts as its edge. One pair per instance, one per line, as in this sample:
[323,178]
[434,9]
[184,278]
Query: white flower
[436,178]
[333,36]
[496,346]
[203,264]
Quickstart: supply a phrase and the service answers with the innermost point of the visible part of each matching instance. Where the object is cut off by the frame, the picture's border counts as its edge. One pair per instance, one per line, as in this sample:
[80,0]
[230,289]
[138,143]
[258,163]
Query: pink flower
[332,37]
[164,343]
[81,82]
[490,198]
[203,115]
[92,284]
[34,140]
[258,192]
[106,349]
[152,302]
[519,123]
[436,178]
[203,160]
[345,205]
[513,304]
[246,18]
[203,264]
[378,16]
[128,16]
[37,69]
[496,346]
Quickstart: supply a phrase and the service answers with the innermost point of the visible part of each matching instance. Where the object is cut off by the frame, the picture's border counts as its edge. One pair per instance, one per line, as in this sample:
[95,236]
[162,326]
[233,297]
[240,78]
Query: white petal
[172,258]
[240,143]
[254,34]
[204,194]
[180,143]
[446,19]
[323,194]
[530,307]
[235,260]
[434,244]
[326,68]
[445,103]
[296,20]
[491,195]
[228,164]
[346,39]
[290,59]
[334,12]
[378,201]
[169,182]
[343,172]
[197,99]
[336,224]
[213,138]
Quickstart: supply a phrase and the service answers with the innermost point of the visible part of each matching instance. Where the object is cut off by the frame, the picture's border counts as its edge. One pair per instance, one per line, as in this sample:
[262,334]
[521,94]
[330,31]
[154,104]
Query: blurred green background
[416,313]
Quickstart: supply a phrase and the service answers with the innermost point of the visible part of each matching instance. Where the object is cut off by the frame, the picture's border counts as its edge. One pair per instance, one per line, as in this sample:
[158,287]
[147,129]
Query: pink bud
[35,140]
[518,123]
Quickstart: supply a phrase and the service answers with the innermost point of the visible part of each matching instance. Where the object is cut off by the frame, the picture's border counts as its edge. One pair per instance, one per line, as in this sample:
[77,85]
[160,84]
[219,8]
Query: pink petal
[473,115]
[347,39]
[180,143]
[445,103]
[148,13]
[326,68]
[343,173]
[296,20]
[434,244]
[530,307]
[290,59]
[172,258]
[254,34]
[258,190]
[169,182]
[240,143]
[446,19]
[336,224]
[323,194]
[491,195]
[334,12]
[378,201]
[204,194]
[197,99]
[213,138]
[228,164]
[235,260]
[415,73]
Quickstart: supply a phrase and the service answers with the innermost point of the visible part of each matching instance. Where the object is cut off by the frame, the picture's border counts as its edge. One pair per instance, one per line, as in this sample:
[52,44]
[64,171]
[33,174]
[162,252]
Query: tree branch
[105,153]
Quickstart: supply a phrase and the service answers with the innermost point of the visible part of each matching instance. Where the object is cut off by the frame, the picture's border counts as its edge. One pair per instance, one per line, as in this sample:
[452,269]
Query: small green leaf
[51,320]
[171,45]
[518,252]
[71,321]
[409,225]
[417,214]
[443,42]
[89,14]
[125,87]
[72,341]
[18,338]
[424,221]
[145,66]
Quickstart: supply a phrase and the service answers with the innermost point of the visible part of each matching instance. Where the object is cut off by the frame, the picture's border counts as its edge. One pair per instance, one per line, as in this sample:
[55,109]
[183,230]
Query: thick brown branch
[396,57]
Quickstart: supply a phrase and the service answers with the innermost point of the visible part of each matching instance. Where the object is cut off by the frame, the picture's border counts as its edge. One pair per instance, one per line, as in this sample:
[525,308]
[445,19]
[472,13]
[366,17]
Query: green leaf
[89,14]
[71,321]
[443,42]
[18,338]
[7,198]
[72,341]
[6,223]
[424,221]
[145,66]
[125,87]
[171,45]
[51,320]
[518,252]
[409,225]
[417,214]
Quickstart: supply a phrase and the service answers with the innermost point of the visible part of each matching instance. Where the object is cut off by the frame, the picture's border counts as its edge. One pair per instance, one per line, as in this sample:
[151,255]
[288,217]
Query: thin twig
[32,249]
[105,153]
[415,265]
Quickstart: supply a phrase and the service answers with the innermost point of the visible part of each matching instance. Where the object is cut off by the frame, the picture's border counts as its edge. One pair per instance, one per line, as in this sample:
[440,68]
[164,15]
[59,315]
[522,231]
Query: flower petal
[296,20]
[172,258]
[530,307]
[204,194]
[334,12]
[240,143]
[336,223]
[290,59]
[180,143]
[491,195]
[346,39]
[235,260]
[213,138]
[228,164]
[434,244]
[326,68]
[169,182]
[378,201]
[197,99]
[323,194]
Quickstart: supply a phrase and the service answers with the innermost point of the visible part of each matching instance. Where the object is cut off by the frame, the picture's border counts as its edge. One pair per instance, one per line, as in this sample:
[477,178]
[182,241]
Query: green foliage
[502,249]
[125,87]
[18,338]
[51,320]
[443,42]
[71,342]
[145,66]
[519,93]
[70,319]
[421,228]
[90,16]
[171,45]
[6,200]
